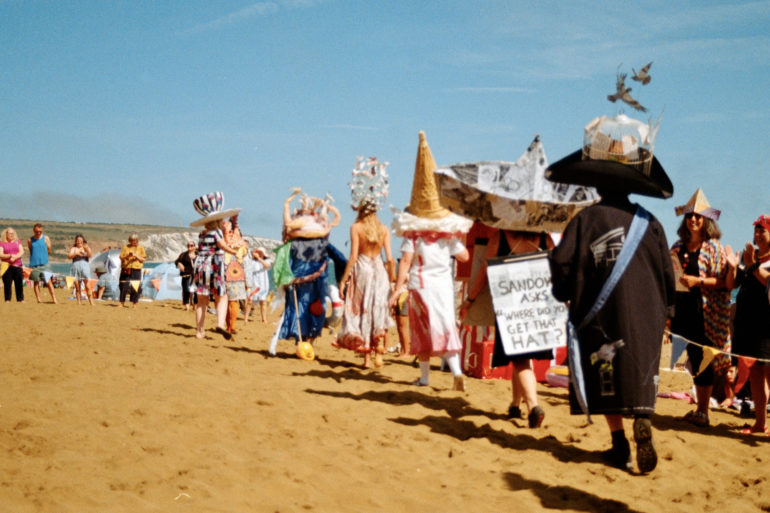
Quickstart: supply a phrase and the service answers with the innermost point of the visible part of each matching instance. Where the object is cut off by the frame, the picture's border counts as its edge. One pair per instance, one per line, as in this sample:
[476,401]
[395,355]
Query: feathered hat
[424,212]
[210,207]
[698,204]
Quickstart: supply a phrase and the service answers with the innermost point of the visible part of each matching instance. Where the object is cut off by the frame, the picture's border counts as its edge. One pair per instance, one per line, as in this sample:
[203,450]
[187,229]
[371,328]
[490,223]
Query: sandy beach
[110,409]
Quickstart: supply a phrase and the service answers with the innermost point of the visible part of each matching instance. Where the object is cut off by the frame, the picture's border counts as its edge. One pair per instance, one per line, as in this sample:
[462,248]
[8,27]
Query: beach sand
[107,409]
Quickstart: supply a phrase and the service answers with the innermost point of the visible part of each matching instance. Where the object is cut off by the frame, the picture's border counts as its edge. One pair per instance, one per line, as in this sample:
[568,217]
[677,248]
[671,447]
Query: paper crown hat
[698,204]
[617,155]
[425,198]
[210,207]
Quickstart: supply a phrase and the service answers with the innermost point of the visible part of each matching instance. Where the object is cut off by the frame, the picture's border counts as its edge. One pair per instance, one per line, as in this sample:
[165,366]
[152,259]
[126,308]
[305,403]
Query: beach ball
[305,351]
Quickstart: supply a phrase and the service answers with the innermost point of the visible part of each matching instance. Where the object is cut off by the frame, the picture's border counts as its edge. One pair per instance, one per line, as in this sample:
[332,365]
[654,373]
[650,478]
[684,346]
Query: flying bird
[622,93]
[643,75]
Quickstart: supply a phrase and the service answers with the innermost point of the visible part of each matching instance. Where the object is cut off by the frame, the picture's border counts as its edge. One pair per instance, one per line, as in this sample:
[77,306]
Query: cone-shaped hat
[425,198]
[698,204]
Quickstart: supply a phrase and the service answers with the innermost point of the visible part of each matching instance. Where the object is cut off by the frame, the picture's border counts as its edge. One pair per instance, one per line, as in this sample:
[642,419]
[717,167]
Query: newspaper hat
[698,204]
[425,198]
[210,207]
[617,155]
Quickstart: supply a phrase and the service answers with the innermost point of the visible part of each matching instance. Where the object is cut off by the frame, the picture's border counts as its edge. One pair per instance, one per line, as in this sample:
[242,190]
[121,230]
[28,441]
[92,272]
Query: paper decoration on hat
[70,281]
[512,195]
[369,185]
[424,212]
[135,285]
[210,206]
[3,267]
[698,204]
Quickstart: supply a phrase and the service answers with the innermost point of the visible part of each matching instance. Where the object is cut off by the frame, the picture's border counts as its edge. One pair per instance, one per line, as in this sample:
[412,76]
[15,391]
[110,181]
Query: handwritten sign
[528,316]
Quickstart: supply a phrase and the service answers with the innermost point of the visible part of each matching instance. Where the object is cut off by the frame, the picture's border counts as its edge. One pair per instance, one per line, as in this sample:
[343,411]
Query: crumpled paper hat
[210,207]
[698,204]
[425,197]
[763,221]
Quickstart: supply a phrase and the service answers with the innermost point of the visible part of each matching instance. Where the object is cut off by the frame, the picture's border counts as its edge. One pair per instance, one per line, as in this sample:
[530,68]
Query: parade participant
[432,238]
[703,308]
[79,253]
[209,266]
[306,233]
[39,246]
[11,252]
[615,355]
[235,277]
[132,257]
[751,336]
[365,283]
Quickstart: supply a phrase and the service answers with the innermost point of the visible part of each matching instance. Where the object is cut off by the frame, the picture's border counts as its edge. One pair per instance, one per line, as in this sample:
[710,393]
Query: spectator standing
[132,258]
[184,263]
[11,252]
[39,246]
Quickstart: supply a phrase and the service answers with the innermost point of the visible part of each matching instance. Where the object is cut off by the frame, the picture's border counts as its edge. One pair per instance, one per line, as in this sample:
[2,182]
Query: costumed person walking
[132,258]
[235,277]
[703,308]
[366,284]
[751,336]
[306,234]
[209,277]
[432,238]
[614,348]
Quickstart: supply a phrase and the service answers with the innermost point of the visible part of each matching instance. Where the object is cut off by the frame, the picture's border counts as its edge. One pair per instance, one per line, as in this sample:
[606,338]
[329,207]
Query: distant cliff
[165,247]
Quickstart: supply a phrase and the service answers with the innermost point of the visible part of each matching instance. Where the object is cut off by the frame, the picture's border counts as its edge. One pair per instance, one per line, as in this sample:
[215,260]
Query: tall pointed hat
[698,204]
[425,198]
[424,212]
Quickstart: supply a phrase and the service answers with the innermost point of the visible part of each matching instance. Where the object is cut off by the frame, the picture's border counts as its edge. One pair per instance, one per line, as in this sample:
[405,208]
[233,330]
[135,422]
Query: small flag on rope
[135,285]
[156,284]
[709,353]
[70,280]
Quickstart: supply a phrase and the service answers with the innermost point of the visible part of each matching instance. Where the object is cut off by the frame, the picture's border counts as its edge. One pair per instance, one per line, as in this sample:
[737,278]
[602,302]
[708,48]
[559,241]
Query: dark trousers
[126,276]
[13,275]
[188,297]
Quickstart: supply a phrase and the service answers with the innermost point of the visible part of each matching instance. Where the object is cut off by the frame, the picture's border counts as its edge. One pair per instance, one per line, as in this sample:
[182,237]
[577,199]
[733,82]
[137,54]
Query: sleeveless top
[38,251]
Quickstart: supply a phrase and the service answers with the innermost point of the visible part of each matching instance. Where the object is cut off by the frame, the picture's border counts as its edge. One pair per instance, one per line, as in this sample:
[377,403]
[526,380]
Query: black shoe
[536,416]
[619,456]
[646,457]
[514,412]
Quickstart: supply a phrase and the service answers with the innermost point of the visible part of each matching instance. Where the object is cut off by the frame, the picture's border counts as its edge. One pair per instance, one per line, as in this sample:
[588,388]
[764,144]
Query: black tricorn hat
[579,169]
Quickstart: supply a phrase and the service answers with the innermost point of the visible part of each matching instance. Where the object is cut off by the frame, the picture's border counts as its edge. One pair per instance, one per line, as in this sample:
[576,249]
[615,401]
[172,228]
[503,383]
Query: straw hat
[210,207]
[425,197]
[698,204]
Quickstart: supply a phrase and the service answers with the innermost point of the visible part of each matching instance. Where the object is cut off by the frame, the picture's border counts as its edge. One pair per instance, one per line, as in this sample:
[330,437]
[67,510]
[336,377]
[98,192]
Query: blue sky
[125,111]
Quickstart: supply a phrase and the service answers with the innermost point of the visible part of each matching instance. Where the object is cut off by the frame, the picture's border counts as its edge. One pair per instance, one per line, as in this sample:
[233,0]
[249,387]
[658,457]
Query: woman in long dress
[365,287]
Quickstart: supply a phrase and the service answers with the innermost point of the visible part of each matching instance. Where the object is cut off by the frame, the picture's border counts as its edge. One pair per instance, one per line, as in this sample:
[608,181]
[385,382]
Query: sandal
[697,418]
[750,431]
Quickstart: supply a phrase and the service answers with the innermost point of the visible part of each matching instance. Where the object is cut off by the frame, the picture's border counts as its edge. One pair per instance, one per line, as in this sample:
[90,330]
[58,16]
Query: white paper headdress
[369,184]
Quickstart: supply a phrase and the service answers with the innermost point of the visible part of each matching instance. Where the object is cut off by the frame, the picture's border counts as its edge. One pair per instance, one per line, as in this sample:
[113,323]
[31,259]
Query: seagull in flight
[622,93]
[643,75]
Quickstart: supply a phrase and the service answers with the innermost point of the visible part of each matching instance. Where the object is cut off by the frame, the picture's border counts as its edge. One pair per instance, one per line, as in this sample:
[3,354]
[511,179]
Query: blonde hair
[4,235]
[371,225]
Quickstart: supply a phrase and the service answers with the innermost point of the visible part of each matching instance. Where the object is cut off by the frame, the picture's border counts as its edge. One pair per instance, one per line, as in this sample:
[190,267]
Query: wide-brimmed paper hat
[698,204]
[425,198]
[616,156]
[210,206]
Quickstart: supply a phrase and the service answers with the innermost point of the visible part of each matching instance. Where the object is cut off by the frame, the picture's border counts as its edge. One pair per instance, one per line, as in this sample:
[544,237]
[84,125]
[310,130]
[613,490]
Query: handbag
[634,237]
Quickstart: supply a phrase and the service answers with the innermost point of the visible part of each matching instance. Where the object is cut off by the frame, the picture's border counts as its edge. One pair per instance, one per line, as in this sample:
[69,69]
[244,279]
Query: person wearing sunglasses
[703,302]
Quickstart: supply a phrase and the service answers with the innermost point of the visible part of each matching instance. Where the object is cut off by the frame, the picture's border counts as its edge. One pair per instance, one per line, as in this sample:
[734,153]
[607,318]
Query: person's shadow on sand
[561,497]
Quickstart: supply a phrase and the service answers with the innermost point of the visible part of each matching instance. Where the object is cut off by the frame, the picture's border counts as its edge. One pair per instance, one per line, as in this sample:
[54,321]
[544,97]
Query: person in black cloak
[618,349]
